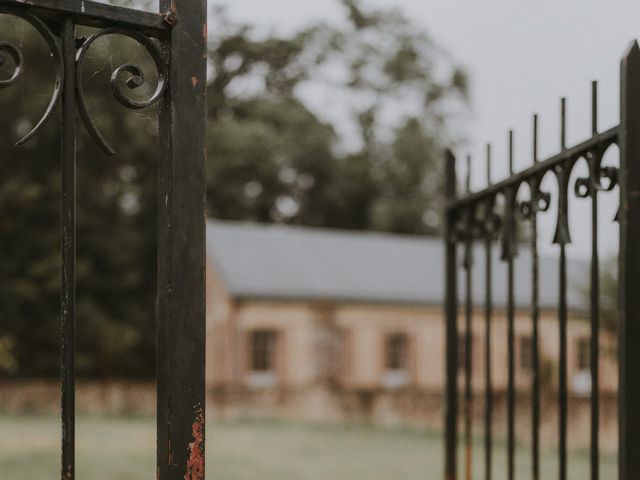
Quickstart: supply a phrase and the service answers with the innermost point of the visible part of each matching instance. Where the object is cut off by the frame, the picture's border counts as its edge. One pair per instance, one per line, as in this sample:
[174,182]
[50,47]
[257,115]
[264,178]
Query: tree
[331,126]
[347,124]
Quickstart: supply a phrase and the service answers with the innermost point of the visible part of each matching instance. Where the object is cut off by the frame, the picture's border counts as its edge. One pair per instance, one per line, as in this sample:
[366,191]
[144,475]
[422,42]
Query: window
[263,350]
[526,353]
[584,354]
[397,352]
[397,361]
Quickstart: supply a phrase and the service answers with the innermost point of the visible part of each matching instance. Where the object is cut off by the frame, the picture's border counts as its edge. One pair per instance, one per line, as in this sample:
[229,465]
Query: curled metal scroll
[14,52]
[539,200]
[585,187]
[129,74]
[8,49]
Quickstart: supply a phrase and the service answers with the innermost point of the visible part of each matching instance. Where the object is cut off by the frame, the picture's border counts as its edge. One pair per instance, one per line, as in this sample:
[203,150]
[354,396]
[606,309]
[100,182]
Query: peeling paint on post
[195,464]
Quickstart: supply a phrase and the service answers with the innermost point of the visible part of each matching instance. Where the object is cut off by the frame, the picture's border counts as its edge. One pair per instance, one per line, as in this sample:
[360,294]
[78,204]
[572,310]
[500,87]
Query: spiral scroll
[539,200]
[129,74]
[10,50]
[586,186]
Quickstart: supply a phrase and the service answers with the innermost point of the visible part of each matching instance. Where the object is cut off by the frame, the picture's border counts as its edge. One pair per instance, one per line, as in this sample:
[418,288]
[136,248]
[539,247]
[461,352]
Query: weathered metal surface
[68,304]
[94,14]
[176,39]
[181,247]
[506,193]
[629,260]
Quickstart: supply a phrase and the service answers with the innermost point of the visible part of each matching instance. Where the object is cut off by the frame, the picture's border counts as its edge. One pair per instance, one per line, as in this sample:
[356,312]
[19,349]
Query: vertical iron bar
[451,310]
[181,247]
[68,300]
[511,159]
[562,308]
[629,270]
[510,322]
[468,339]
[562,317]
[595,295]
[488,308]
[535,316]
[468,347]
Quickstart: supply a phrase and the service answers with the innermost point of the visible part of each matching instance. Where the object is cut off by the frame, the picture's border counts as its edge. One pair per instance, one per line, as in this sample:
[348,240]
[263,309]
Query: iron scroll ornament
[8,49]
[129,74]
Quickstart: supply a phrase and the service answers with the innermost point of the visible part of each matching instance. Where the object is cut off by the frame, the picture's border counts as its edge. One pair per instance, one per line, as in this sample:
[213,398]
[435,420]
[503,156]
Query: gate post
[629,266]
[181,245]
[451,314]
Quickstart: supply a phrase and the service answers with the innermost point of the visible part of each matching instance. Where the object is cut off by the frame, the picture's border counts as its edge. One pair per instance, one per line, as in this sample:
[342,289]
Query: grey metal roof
[285,262]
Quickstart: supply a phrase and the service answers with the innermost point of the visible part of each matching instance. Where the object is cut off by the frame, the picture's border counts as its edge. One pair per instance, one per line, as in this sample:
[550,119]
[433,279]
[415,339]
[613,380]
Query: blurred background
[327,123]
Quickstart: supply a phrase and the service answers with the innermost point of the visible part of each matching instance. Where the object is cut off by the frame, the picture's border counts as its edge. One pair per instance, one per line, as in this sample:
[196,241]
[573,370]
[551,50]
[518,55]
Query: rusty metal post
[181,246]
[68,281]
[629,266]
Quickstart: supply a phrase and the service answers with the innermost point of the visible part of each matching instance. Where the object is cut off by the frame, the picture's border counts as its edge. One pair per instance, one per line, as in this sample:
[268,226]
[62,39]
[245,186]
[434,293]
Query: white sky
[521,57]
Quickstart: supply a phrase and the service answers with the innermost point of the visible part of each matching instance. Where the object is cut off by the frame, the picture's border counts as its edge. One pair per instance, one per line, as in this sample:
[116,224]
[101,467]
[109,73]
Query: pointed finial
[450,174]
[563,123]
[488,164]
[633,50]
[468,174]
[594,107]
[535,138]
[511,152]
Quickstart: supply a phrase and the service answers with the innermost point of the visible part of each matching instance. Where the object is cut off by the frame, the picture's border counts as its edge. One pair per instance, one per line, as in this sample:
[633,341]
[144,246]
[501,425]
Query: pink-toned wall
[361,331]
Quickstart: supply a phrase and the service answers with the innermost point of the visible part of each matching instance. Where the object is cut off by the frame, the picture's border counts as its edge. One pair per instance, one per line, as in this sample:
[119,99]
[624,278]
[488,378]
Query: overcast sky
[521,57]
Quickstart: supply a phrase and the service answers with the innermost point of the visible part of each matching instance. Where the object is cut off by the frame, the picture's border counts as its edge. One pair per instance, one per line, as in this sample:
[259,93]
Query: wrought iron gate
[477,218]
[176,40]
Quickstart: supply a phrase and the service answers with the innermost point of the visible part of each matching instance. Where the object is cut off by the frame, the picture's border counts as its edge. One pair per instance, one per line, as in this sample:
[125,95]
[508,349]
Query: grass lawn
[122,448]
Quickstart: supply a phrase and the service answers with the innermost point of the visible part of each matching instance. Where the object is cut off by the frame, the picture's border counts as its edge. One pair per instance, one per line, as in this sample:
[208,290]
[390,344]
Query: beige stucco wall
[362,330]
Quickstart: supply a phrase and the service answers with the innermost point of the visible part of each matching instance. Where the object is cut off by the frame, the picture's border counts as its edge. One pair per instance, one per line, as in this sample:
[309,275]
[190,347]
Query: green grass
[122,448]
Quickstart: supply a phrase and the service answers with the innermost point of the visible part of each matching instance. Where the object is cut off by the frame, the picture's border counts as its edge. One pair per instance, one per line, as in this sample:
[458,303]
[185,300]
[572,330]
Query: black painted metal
[180,59]
[468,338]
[562,238]
[181,248]
[68,306]
[629,259]
[496,208]
[489,232]
[531,212]
[451,312]
[508,254]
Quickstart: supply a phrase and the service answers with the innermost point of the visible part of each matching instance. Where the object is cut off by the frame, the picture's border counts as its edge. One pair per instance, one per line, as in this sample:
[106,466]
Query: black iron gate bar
[476,216]
[176,40]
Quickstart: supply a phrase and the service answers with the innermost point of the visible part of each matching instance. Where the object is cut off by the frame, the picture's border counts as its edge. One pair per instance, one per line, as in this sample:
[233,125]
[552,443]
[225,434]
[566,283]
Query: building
[328,325]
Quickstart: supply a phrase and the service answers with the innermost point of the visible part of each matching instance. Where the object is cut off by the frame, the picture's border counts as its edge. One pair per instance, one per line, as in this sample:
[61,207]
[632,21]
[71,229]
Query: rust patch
[170,18]
[194,81]
[195,463]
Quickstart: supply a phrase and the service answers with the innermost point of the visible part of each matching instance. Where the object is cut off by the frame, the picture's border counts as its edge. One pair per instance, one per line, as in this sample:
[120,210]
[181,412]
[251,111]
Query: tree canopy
[335,125]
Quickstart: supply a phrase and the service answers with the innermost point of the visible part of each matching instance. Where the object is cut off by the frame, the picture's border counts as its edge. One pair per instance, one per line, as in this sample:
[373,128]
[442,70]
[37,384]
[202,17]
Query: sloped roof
[285,262]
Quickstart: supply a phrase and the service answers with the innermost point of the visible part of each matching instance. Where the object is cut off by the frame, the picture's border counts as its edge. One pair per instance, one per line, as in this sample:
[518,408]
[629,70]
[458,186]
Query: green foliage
[278,154]
[331,126]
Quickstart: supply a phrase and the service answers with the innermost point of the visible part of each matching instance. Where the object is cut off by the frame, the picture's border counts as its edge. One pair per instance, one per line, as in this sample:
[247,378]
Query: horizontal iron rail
[93,14]
[539,168]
